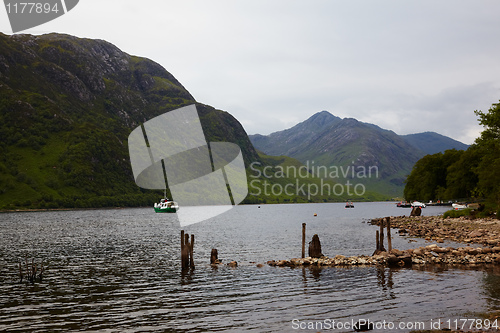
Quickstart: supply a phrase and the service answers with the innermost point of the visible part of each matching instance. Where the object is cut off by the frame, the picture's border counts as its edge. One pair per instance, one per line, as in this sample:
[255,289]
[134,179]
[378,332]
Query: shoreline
[485,231]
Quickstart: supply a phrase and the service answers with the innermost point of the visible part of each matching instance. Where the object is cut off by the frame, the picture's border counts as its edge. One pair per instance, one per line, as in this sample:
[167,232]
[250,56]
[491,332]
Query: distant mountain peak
[432,142]
[330,140]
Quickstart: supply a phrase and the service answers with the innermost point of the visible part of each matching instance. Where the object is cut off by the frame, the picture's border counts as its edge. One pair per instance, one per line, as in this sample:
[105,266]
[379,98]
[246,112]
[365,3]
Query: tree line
[473,174]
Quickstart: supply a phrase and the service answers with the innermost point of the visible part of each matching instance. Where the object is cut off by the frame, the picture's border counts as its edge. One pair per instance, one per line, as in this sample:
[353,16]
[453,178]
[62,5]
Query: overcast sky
[407,66]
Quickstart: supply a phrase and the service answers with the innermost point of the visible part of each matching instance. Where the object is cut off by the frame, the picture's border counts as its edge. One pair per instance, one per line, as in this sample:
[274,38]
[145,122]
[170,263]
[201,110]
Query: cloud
[408,66]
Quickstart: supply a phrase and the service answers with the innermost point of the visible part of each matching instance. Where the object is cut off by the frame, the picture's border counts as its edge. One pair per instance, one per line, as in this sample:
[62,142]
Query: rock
[496,249]
[472,251]
[260,265]
[233,264]
[476,233]
[271,263]
[396,252]
[418,252]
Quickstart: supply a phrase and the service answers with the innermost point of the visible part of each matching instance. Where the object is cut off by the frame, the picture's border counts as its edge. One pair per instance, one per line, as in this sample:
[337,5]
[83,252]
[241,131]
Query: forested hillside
[67,106]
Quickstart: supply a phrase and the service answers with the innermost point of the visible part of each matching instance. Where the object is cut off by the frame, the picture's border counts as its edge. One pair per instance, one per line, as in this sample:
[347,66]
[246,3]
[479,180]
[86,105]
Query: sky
[407,66]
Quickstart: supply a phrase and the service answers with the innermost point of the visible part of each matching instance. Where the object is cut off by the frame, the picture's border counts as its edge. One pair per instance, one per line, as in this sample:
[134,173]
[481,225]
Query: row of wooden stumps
[187,260]
[379,235]
[31,271]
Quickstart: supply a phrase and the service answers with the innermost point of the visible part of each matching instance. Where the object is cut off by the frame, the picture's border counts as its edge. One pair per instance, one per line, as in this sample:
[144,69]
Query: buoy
[315,214]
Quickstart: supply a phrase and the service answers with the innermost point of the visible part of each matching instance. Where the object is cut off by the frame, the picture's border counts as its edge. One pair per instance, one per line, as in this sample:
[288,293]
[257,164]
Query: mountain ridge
[329,140]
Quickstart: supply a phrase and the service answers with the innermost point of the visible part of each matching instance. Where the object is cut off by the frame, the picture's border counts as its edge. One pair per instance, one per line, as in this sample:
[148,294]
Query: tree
[489,147]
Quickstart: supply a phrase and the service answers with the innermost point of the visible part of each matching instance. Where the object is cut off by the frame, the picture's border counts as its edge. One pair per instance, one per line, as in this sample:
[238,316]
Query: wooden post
[315,247]
[382,235]
[389,240]
[184,250]
[213,256]
[377,235]
[303,240]
[191,259]
[187,250]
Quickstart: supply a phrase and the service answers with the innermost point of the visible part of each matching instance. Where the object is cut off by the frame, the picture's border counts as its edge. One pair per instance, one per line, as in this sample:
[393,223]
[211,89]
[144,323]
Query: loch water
[118,270]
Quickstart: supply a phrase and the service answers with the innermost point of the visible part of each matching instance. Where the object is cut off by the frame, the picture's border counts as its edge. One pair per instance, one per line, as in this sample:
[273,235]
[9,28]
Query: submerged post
[182,250]
[213,256]
[303,240]
[191,247]
[389,240]
[382,248]
[185,250]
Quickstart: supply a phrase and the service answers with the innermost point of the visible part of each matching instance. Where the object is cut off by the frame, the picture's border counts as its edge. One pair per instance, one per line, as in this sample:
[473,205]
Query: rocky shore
[483,232]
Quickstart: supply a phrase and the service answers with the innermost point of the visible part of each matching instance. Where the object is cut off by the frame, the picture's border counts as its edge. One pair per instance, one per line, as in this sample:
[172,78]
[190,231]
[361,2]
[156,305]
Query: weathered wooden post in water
[389,240]
[214,256]
[382,248]
[315,247]
[191,247]
[187,259]
[303,240]
[183,252]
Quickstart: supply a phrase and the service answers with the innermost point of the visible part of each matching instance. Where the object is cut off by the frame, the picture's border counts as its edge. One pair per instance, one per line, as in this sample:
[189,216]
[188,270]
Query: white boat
[166,206]
[418,204]
[457,206]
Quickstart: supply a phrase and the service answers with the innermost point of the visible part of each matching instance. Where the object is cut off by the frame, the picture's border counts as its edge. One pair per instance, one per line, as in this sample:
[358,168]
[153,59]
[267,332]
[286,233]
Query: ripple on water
[118,270]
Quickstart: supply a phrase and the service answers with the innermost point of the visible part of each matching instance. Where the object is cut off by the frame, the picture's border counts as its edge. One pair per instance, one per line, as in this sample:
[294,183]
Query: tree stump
[315,247]
[214,257]
[416,211]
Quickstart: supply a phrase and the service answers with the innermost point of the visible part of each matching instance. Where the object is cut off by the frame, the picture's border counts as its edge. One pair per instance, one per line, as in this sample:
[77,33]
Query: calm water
[119,271]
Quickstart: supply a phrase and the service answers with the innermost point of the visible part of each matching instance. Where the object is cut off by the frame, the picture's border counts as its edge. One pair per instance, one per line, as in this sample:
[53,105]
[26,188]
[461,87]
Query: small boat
[457,206]
[349,205]
[418,204]
[403,204]
[166,206]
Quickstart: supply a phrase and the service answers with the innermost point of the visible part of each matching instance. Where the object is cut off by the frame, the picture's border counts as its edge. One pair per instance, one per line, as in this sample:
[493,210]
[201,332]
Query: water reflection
[187,276]
[385,282]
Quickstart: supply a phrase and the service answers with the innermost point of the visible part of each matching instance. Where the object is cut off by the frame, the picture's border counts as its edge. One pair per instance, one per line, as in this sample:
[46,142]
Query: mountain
[67,106]
[293,140]
[353,147]
[432,143]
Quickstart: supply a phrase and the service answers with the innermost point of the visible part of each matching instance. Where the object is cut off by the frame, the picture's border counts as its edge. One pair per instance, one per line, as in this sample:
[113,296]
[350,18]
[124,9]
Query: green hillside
[67,106]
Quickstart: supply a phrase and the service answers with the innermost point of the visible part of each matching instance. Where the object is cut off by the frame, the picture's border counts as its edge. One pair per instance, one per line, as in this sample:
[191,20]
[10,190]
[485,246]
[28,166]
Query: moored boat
[458,206]
[418,204]
[166,206]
